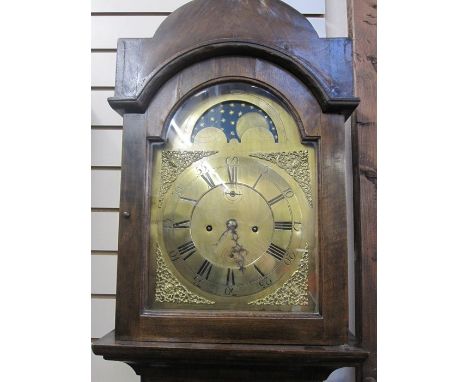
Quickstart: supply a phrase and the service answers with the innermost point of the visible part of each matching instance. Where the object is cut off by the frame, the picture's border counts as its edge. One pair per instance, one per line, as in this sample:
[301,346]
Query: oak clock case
[197,263]
[232,231]
[233,206]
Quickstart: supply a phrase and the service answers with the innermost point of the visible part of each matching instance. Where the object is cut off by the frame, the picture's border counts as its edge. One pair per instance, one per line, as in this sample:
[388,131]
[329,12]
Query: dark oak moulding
[268,44]
[169,361]
[267,29]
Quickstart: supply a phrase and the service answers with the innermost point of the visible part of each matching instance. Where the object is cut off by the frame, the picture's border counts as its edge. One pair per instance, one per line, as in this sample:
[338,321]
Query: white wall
[112,19]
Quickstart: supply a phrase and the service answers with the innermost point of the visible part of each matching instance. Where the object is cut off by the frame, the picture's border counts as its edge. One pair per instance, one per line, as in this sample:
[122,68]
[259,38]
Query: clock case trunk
[154,76]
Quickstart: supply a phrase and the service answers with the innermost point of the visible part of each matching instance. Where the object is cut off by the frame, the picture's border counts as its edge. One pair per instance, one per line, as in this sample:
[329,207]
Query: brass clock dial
[233,216]
[232,226]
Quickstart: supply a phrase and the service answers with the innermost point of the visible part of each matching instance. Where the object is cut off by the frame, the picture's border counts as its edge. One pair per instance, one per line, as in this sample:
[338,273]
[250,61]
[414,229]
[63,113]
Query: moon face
[210,135]
[237,120]
[254,126]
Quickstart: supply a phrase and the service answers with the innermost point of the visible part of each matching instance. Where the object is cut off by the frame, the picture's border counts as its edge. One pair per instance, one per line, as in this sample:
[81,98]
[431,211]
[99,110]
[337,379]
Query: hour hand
[221,237]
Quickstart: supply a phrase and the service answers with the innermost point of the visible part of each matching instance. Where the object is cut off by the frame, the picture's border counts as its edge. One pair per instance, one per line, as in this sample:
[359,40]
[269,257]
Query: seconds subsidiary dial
[232,226]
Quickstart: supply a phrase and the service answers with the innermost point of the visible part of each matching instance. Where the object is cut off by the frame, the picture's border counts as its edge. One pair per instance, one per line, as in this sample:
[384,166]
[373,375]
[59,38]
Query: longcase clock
[233,235]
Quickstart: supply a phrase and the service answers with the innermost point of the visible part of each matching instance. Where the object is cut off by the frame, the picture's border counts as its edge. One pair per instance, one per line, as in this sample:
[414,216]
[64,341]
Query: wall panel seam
[98,88]
[106,167]
[103,50]
[98,252]
[97,14]
[105,209]
[104,127]
[100,296]
[130,14]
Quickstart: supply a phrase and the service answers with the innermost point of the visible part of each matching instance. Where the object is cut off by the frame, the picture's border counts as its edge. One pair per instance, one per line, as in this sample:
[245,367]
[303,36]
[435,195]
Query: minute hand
[238,251]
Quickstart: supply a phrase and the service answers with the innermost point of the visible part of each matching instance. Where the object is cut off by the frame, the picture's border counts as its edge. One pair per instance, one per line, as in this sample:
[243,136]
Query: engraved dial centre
[231,242]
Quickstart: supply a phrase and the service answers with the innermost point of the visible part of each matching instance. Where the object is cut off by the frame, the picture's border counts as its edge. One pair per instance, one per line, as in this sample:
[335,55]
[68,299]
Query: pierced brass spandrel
[168,288]
[292,292]
[296,164]
[174,163]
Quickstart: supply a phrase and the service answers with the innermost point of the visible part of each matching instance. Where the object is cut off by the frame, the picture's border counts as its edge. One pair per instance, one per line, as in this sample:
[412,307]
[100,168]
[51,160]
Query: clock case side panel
[141,130]
[133,236]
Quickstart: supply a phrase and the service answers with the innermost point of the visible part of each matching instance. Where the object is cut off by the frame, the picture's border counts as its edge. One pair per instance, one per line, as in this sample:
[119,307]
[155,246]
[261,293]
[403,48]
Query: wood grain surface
[364,140]
[140,130]
[267,29]
[197,362]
